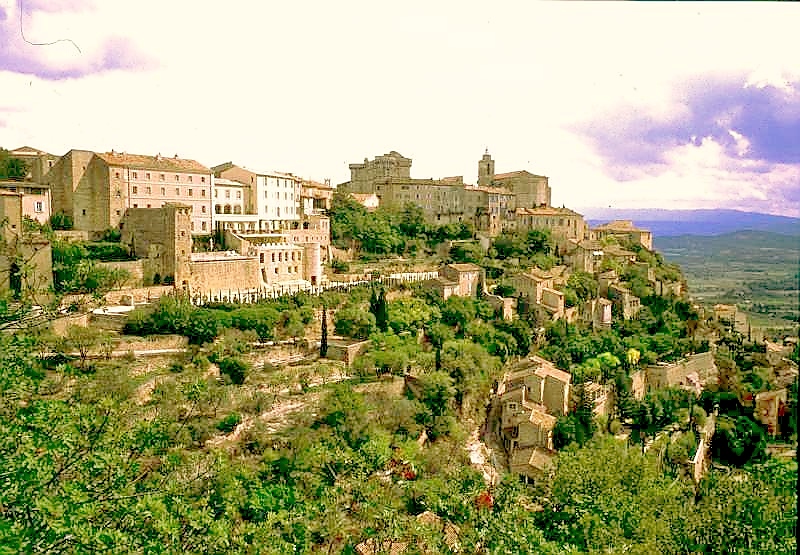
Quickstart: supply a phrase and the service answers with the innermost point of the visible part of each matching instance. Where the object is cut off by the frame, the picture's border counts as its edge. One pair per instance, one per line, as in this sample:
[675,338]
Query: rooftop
[618,225]
[157,162]
[547,211]
[465,267]
[518,173]
[227,182]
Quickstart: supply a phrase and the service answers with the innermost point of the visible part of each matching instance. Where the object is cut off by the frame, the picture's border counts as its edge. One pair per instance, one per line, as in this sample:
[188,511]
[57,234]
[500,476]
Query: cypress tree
[382,312]
[323,344]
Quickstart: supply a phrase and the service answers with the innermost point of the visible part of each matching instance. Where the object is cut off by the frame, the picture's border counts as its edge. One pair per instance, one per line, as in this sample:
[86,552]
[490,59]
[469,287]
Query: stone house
[597,312]
[626,302]
[96,189]
[530,398]
[26,267]
[692,373]
[35,198]
[770,408]
[468,277]
[624,230]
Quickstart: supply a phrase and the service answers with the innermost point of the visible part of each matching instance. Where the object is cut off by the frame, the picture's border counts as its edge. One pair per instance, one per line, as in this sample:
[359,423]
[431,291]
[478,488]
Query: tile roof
[547,211]
[158,163]
[490,190]
[618,225]
[518,173]
[465,267]
[541,418]
[228,182]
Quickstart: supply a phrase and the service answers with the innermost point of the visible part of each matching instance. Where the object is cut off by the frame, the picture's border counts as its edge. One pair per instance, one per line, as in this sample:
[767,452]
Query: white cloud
[309,87]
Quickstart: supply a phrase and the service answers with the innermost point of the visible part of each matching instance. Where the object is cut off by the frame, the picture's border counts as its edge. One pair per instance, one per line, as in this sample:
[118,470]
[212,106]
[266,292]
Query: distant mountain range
[667,223]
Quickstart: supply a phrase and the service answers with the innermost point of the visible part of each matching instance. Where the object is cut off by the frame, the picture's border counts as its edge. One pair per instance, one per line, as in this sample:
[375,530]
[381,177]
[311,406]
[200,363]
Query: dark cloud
[767,117]
[18,55]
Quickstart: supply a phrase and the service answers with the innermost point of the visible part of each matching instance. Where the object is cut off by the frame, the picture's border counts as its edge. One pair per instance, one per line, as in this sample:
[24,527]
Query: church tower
[486,170]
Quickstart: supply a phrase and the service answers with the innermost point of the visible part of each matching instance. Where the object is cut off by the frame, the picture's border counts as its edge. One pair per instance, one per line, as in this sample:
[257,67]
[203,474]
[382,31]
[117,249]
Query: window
[202,192]
[203,209]
[147,176]
[183,233]
[261,257]
[192,228]
[189,178]
[134,205]
[149,190]
[38,206]
[227,193]
[149,206]
[178,191]
[117,212]
[276,270]
[161,177]
[203,225]
[273,257]
[135,189]
[177,177]
[202,180]
[238,194]
[216,193]
[116,174]
[163,191]
[190,192]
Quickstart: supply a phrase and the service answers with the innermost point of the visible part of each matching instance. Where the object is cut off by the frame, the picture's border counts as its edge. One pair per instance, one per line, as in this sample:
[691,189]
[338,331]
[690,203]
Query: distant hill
[666,223]
[756,270]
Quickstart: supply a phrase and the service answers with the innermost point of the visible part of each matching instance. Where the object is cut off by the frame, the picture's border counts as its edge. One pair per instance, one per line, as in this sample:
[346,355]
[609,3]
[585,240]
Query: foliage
[14,169]
[352,321]
[235,368]
[60,221]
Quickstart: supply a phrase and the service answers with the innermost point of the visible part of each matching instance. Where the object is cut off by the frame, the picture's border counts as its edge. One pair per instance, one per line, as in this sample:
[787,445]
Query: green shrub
[235,368]
[229,423]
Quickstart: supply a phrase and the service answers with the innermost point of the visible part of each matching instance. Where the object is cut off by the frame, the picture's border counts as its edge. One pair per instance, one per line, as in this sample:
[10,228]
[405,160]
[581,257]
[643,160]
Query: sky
[646,105]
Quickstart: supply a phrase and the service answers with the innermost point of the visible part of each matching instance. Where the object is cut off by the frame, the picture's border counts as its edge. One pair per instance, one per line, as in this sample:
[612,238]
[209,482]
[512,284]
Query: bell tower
[486,170]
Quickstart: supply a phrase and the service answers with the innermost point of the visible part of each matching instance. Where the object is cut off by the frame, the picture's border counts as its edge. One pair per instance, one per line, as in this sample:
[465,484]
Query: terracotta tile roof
[465,267]
[227,182]
[157,163]
[541,418]
[541,459]
[547,211]
[618,225]
[518,173]
[490,190]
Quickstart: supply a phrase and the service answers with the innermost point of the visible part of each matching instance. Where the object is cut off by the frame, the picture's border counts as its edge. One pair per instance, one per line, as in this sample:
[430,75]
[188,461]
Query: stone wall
[134,267]
[234,274]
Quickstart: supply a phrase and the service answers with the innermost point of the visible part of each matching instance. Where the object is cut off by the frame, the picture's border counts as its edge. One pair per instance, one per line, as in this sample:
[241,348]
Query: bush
[229,423]
[339,266]
[61,221]
[235,368]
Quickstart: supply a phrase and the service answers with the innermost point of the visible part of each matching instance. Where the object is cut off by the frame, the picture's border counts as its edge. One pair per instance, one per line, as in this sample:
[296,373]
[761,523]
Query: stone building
[231,197]
[96,189]
[693,373]
[275,198]
[492,206]
[38,162]
[315,197]
[565,225]
[26,269]
[162,238]
[530,398]
[35,198]
[626,302]
[490,209]
[624,230]
[770,409]
[529,190]
[460,280]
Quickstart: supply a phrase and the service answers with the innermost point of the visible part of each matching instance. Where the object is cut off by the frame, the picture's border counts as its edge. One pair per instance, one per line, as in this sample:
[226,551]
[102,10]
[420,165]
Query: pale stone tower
[486,170]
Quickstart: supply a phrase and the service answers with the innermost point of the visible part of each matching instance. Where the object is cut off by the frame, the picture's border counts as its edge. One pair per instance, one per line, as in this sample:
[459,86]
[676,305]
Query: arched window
[237,209]
[217,209]
[227,208]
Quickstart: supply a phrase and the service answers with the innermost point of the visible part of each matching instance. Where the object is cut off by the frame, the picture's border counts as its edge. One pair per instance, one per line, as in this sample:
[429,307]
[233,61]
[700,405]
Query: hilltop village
[460,353]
